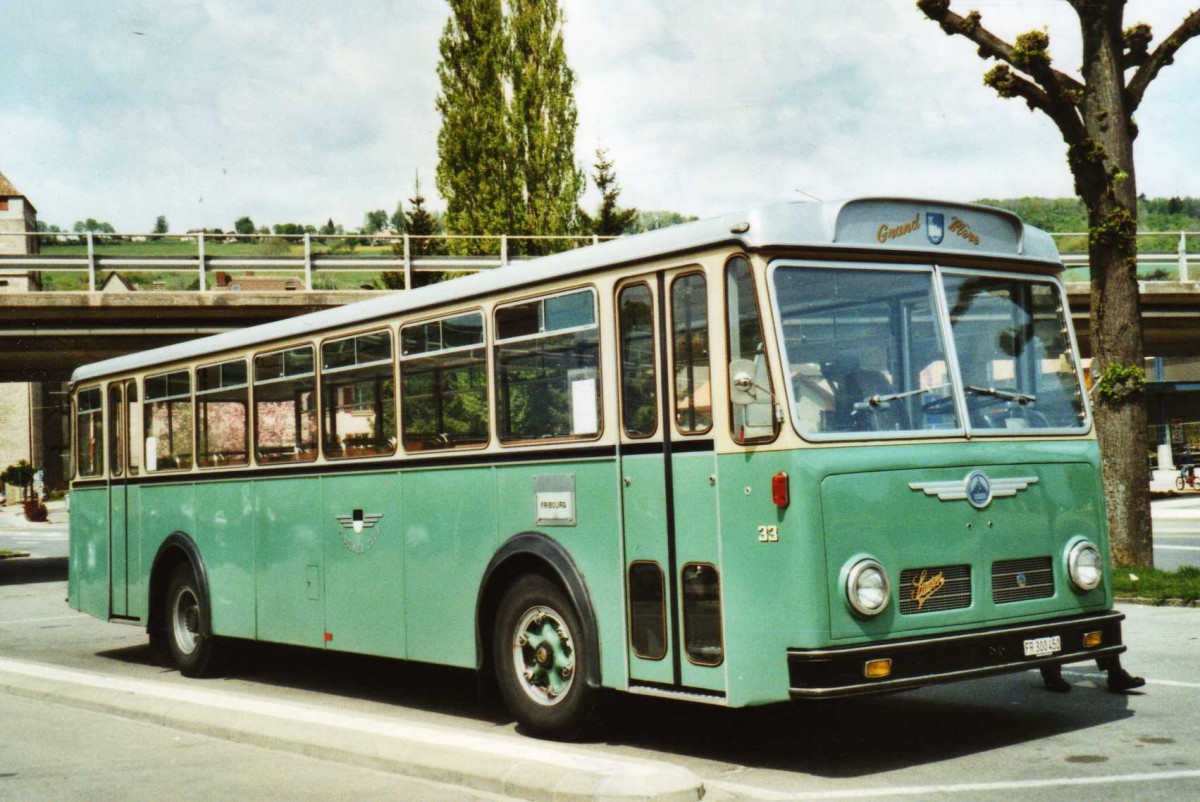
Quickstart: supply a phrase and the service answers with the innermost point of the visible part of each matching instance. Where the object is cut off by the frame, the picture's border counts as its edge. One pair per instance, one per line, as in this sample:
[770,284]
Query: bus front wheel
[541,660]
[195,653]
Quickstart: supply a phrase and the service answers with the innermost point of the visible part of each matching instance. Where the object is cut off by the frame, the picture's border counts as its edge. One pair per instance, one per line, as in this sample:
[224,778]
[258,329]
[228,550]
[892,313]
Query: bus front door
[668,482]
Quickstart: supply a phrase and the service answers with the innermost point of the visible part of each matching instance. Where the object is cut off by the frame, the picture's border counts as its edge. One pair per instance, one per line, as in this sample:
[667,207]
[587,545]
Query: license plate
[1043,647]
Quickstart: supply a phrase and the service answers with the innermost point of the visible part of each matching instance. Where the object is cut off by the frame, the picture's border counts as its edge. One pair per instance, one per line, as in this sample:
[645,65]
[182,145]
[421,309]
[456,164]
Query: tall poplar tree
[506,149]
[542,121]
[1094,113]
[475,174]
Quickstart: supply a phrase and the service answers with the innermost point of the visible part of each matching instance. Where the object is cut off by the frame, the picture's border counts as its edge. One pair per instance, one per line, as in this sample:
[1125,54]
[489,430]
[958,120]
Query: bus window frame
[196,393]
[619,288]
[320,372]
[489,373]
[114,421]
[189,369]
[495,344]
[948,351]
[1061,291]
[316,375]
[103,472]
[668,302]
[776,424]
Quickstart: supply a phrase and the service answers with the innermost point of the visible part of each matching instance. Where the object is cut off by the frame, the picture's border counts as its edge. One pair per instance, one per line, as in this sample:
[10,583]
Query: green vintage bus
[813,450]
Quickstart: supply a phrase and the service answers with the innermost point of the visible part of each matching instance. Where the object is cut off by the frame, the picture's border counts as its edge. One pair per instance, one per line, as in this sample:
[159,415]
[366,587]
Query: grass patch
[5,554]
[1151,583]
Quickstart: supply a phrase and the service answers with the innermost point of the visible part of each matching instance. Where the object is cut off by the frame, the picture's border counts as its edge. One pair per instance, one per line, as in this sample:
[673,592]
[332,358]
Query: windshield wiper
[1020,398]
[876,400]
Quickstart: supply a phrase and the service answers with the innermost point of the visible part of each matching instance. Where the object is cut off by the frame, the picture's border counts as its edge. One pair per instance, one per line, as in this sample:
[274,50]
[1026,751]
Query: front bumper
[840,671]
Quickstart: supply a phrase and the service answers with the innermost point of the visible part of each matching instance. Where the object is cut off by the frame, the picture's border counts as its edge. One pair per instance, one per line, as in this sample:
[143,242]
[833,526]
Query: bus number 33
[768,534]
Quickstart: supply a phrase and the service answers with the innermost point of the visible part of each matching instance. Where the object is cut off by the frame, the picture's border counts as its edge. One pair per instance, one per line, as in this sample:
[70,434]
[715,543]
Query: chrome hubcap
[185,621]
[543,654]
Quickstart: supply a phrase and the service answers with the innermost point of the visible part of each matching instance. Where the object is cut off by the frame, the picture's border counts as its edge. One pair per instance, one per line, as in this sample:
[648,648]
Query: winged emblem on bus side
[975,488]
[353,526]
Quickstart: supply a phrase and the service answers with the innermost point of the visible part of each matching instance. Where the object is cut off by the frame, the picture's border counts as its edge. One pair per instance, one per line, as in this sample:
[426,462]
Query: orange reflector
[328,636]
[1092,639]
[779,490]
[877,669]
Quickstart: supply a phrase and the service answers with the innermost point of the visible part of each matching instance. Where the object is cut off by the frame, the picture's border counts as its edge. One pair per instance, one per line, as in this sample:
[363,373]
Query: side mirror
[742,390]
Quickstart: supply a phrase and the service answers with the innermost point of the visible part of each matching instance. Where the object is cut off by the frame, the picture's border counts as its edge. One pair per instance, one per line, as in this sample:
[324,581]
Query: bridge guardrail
[93,256]
[336,261]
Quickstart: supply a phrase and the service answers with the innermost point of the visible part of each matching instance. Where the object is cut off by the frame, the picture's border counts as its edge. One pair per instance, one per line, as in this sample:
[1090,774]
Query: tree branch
[992,46]
[1058,95]
[1163,55]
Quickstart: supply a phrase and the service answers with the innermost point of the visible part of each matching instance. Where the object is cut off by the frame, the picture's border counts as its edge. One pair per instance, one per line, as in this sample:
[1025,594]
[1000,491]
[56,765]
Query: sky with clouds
[315,109]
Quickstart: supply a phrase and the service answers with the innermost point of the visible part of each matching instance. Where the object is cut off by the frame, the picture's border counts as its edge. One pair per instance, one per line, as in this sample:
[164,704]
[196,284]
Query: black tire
[1179,483]
[538,627]
[184,626]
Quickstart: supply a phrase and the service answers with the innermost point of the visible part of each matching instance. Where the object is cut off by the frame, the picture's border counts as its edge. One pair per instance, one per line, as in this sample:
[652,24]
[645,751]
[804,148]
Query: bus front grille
[927,590]
[1021,580]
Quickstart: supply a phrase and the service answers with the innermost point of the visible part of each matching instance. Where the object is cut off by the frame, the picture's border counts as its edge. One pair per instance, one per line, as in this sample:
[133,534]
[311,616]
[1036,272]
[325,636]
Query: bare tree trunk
[1116,329]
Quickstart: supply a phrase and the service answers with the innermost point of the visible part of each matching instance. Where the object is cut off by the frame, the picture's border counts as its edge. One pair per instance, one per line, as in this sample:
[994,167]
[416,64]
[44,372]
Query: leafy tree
[375,221]
[1094,113]
[329,227]
[610,221]
[542,122]
[94,226]
[160,226]
[397,218]
[243,225]
[47,229]
[475,174]
[652,221]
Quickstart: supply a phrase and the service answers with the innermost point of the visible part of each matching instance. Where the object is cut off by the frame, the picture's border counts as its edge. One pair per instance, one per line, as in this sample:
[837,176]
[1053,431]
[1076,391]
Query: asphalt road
[997,738]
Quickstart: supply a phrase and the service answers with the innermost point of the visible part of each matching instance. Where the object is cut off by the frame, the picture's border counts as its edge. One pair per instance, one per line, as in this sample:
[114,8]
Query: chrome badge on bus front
[976,488]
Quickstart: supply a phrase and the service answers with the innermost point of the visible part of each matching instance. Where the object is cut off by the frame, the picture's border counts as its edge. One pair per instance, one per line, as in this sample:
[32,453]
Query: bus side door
[668,477]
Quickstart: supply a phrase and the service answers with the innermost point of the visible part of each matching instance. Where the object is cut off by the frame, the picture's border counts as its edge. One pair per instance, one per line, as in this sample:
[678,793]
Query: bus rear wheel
[541,661]
[195,653]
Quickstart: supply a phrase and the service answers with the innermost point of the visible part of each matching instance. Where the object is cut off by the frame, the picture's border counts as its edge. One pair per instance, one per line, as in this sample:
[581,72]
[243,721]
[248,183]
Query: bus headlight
[867,588]
[1085,566]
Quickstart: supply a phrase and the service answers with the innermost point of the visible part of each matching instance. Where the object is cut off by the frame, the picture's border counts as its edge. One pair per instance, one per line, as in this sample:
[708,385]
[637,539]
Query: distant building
[248,282]
[33,417]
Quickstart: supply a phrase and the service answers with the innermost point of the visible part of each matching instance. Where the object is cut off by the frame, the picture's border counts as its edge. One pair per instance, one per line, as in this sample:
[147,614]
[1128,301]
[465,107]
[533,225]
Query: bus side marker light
[878,669]
[328,636]
[779,490]
[1092,639]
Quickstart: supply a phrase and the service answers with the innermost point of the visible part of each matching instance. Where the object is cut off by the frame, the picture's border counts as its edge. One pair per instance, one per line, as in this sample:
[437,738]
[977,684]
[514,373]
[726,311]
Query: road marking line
[36,620]
[927,790]
[511,747]
[1170,683]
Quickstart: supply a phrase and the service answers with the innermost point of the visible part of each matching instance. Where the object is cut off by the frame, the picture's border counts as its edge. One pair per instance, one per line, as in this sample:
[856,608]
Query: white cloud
[312,109]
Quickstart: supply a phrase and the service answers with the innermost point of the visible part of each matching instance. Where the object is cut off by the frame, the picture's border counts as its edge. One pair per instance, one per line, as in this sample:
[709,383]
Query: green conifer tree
[474,173]
[543,120]
[610,220]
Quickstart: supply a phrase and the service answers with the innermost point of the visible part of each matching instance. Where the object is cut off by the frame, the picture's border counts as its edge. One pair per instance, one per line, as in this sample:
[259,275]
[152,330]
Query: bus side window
[89,433]
[285,406]
[115,430]
[133,424]
[222,412]
[548,368]
[756,420]
[167,414]
[639,385]
[693,390]
[358,396]
[444,384]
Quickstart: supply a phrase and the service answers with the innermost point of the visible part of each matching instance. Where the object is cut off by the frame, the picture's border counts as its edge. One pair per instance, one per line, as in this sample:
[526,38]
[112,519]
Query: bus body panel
[364,564]
[645,525]
[225,535]
[594,541]
[288,558]
[88,589]
[696,542]
[450,534]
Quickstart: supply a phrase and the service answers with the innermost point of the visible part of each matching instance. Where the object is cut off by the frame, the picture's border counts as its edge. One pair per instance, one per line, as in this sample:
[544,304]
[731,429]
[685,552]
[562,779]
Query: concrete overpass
[46,335]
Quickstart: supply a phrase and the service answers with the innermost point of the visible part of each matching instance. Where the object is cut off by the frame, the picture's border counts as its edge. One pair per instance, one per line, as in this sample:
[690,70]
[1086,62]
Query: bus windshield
[867,352]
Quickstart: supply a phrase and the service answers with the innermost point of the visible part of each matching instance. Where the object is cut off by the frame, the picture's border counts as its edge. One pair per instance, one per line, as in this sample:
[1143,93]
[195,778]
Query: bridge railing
[215,262]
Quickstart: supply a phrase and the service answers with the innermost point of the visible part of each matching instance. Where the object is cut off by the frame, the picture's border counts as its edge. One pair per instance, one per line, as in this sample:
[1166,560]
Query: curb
[510,765]
[1157,602]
